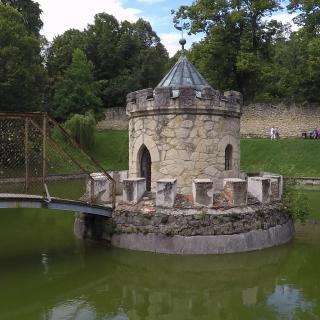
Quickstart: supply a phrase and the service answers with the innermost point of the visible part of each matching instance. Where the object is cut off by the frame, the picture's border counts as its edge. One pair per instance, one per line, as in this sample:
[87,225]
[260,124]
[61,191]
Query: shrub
[82,129]
[297,204]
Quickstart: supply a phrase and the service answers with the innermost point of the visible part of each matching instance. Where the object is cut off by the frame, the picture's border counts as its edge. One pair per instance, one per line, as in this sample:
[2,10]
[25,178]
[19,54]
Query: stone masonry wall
[185,147]
[256,119]
[114,118]
[186,132]
[291,121]
[192,223]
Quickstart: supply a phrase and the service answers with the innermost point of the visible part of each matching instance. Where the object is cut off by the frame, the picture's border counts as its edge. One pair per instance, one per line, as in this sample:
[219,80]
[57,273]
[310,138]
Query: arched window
[145,166]
[228,157]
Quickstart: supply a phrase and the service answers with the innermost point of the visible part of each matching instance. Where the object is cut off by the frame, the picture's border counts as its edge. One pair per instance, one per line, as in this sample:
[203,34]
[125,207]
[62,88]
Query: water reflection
[249,296]
[288,301]
[80,309]
[74,309]
[77,280]
[44,262]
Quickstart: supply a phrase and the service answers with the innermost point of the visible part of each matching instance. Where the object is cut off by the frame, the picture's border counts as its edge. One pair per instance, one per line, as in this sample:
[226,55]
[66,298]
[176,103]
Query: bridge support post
[93,227]
[26,154]
[44,154]
[99,188]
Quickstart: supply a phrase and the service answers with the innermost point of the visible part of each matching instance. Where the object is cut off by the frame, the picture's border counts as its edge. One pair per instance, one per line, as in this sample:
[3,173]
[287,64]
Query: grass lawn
[313,199]
[111,149]
[289,157]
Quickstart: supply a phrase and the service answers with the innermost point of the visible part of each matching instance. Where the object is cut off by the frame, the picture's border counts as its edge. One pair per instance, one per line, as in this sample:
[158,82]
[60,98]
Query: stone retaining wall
[190,231]
[303,181]
[249,241]
[195,222]
[200,231]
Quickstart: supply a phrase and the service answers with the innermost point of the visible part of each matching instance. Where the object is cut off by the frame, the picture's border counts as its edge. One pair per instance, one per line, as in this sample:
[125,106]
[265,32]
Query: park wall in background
[291,121]
[114,118]
[257,119]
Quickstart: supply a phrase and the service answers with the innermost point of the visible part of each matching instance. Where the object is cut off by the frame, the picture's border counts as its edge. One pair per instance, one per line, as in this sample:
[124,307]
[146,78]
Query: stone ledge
[191,111]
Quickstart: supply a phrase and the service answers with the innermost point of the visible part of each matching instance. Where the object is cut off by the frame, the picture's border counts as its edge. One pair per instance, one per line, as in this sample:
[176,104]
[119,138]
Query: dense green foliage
[77,91]
[297,203]
[22,75]
[30,11]
[82,129]
[262,58]
[243,49]
[59,53]
[126,57]
[116,58]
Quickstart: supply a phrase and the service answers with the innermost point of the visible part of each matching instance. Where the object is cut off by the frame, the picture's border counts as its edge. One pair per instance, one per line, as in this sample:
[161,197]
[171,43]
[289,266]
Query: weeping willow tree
[82,129]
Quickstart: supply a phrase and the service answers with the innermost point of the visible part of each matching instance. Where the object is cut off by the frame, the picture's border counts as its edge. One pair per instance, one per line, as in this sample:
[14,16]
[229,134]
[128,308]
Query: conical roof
[183,73]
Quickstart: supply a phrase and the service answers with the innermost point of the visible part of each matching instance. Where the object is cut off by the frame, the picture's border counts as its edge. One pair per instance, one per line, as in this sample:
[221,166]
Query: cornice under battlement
[186,99]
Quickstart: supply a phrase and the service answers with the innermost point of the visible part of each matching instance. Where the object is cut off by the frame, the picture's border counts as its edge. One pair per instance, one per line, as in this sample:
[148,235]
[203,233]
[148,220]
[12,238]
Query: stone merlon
[162,98]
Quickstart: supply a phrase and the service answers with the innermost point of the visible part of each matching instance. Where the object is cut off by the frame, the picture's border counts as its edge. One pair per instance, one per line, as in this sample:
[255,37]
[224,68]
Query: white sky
[61,15]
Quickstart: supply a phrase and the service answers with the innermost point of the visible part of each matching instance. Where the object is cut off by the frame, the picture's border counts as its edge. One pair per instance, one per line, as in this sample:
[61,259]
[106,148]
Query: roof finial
[180,25]
[182,41]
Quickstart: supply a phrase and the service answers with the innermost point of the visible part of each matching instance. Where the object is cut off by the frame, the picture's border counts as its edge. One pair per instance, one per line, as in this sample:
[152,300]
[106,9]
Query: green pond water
[46,273]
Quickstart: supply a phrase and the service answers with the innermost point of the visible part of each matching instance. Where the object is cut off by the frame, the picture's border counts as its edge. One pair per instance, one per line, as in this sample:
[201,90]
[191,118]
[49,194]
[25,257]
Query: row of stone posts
[265,189]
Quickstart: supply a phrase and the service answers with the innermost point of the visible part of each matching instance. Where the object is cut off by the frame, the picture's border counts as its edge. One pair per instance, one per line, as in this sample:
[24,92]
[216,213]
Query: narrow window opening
[228,157]
[145,167]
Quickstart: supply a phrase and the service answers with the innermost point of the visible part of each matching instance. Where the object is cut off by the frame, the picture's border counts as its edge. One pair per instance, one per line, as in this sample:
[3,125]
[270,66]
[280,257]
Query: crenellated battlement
[161,99]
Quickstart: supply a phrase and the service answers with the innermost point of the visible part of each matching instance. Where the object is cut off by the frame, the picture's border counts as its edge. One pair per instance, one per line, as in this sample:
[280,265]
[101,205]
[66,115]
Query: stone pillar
[133,189]
[235,191]
[100,187]
[259,187]
[202,192]
[118,177]
[276,186]
[166,192]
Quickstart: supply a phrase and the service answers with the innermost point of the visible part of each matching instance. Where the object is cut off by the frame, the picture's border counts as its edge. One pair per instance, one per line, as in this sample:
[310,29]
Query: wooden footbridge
[42,166]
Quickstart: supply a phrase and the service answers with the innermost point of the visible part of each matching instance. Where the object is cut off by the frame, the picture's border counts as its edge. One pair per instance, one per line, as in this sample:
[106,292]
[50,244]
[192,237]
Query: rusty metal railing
[39,157]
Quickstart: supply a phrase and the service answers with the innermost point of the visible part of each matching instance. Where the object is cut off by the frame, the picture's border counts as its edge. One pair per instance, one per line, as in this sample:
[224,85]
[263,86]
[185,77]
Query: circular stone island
[187,230]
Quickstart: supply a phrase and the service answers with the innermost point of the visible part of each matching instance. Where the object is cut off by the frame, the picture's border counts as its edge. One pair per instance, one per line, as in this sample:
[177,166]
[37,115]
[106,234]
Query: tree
[152,57]
[77,92]
[102,41]
[30,12]
[59,55]
[143,60]
[300,54]
[22,76]
[127,56]
[235,40]
[308,15]
[82,129]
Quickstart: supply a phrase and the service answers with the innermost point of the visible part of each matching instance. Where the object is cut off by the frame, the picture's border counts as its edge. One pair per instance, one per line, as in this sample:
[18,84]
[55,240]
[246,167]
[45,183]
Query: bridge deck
[8,200]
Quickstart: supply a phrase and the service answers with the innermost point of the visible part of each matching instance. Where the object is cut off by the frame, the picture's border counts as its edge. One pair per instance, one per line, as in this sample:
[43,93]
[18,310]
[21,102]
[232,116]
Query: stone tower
[184,129]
